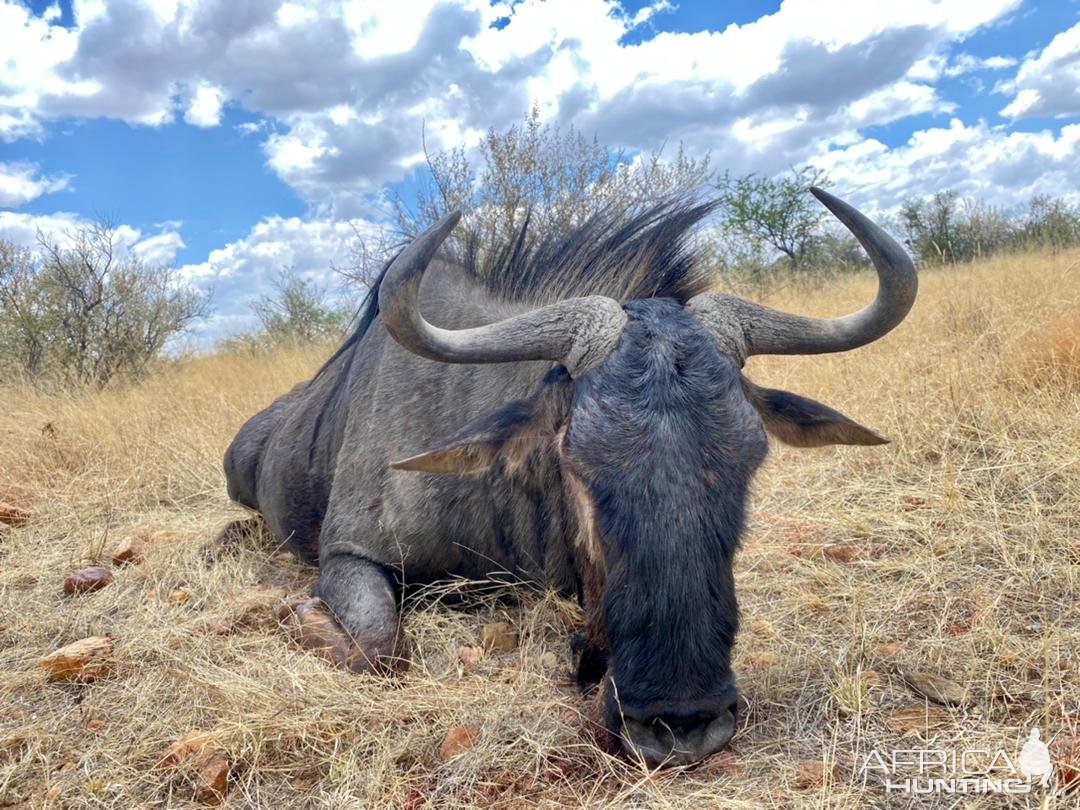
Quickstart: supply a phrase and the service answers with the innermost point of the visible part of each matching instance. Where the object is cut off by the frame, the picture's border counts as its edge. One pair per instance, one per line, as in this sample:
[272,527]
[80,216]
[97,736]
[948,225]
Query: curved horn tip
[448,222]
[830,201]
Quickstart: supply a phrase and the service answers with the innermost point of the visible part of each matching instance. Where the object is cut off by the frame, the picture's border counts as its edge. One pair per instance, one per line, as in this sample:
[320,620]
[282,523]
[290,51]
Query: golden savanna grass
[954,550]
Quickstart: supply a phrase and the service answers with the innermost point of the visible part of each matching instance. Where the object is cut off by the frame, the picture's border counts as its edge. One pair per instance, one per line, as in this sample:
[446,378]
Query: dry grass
[968,564]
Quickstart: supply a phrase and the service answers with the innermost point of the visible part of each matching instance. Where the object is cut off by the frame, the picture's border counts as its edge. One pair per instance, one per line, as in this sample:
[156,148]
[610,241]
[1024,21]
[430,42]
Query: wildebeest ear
[803,422]
[510,431]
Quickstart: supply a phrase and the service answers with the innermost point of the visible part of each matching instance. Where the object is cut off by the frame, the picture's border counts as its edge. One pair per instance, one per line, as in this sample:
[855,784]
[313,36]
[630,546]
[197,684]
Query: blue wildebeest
[577,418]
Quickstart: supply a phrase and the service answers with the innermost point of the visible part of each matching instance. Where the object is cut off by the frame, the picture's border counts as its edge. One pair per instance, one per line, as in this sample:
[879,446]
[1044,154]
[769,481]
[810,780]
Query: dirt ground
[954,551]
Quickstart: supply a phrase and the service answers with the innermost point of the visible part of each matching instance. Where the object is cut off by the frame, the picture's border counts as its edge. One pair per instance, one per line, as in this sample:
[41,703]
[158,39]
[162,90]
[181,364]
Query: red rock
[178,597]
[87,580]
[13,515]
[81,661]
[936,688]
[1067,763]
[499,637]
[130,550]
[469,655]
[812,773]
[458,740]
[914,502]
[212,783]
[193,743]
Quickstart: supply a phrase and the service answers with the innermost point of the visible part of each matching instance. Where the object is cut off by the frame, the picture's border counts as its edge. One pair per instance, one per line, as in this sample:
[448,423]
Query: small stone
[212,783]
[936,688]
[921,718]
[88,580]
[97,724]
[130,550]
[195,742]
[470,655]
[812,773]
[13,516]
[889,650]
[81,661]
[914,502]
[498,637]
[853,552]
[457,741]
[179,597]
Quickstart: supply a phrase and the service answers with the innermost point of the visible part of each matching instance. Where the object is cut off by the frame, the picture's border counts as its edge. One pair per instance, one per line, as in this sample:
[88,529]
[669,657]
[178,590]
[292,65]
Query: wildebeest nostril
[678,735]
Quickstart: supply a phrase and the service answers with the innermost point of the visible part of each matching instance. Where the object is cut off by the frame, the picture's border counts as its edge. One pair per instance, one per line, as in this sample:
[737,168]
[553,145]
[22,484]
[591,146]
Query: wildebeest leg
[353,621]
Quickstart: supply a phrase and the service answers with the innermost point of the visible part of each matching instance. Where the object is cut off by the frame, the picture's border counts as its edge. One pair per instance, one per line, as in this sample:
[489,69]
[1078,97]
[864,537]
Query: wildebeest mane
[625,254]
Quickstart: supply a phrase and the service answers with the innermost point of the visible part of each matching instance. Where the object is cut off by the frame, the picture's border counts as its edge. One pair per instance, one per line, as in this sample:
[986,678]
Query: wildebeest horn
[578,332]
[768,331]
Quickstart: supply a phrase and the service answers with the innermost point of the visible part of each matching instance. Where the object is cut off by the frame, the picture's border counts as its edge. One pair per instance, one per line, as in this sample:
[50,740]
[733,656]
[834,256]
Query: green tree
[776,213]
[299,310]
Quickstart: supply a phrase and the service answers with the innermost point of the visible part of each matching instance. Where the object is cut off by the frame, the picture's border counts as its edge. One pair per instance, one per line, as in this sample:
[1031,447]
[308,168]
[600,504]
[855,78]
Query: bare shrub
[558,176]
[82,311]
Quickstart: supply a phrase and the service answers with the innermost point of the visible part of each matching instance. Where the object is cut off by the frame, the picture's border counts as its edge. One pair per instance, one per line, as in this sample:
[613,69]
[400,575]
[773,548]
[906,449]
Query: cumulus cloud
[243,270]
[204,107]
[20,183]
[1047,83]
[361,79]
[991,163]
[159,247]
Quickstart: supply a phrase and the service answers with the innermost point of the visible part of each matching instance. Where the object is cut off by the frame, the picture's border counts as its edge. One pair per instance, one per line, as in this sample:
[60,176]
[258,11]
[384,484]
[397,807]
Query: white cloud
[992,164]
[204,108]
[161,248]
[33,49]
[20,183]
[23,229]
[1047,83]
[351,83]
[242,271]
[966,63]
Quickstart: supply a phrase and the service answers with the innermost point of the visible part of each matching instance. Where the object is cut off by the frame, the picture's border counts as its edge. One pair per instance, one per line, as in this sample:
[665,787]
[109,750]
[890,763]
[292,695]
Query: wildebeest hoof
[316,629]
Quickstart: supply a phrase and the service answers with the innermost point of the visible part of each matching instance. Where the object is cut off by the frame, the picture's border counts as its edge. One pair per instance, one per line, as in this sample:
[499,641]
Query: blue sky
[236,139]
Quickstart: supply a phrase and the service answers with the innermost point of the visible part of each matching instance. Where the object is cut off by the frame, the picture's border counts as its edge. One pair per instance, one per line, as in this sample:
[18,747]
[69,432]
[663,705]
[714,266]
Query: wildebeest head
[657,435]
